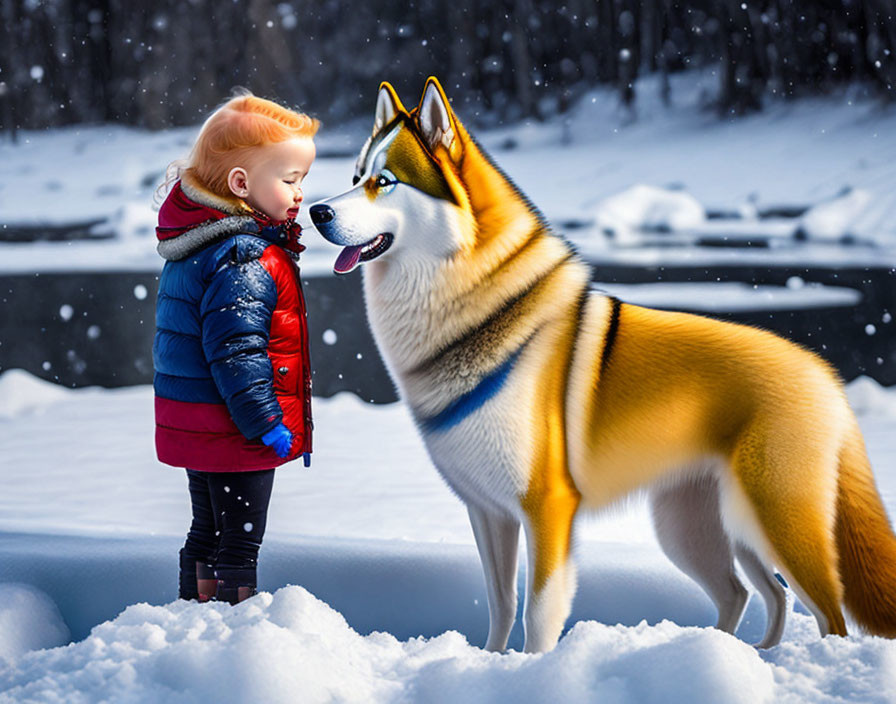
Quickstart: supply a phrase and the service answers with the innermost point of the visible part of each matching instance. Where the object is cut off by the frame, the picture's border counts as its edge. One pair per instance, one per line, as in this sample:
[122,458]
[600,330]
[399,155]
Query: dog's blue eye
[386,180]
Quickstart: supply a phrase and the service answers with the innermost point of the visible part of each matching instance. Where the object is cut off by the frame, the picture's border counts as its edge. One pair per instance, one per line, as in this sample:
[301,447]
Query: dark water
[840,334]
[96,328]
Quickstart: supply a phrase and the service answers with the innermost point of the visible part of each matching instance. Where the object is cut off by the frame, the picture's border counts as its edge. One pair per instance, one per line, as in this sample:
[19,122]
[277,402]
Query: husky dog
[538,398]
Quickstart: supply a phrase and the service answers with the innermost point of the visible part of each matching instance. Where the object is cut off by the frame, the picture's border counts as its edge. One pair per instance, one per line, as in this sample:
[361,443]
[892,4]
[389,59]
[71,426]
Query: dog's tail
[865,542]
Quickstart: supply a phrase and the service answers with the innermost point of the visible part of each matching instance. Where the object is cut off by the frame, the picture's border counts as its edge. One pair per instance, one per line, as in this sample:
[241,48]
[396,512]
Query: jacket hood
[192,217]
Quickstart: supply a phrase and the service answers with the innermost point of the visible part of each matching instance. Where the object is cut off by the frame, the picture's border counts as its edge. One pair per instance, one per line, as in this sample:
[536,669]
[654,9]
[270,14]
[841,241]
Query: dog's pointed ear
[388,106]
[434,115]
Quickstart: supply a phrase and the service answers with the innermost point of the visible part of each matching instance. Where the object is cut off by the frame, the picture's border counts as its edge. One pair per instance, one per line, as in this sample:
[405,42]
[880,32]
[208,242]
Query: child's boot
[235,585]
[206,581]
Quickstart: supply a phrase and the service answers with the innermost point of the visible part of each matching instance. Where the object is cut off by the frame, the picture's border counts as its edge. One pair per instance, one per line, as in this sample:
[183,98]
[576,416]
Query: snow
[643,207]
[371,583]
[382,442]
[715,297]
[329,337]
[829,155]
[289,646]
[868,398]
[29,620]
[835,218]
[277,648]
[23,394]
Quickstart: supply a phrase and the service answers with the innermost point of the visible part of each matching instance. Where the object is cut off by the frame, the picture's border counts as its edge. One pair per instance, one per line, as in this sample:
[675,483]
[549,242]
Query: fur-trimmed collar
[193,217]
[198,193]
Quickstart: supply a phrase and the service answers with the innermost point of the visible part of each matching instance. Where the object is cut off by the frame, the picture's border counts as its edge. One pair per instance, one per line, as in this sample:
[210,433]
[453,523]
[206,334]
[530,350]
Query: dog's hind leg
[795,512]
[689,529]
[497,537]
[772,593]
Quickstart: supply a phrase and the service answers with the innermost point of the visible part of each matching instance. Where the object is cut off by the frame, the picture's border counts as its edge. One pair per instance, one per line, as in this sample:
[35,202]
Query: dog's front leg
[550,573]
[497,537]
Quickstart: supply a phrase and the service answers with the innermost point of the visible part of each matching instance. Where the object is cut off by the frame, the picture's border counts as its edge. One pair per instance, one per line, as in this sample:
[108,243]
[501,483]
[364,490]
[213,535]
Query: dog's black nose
[321,214]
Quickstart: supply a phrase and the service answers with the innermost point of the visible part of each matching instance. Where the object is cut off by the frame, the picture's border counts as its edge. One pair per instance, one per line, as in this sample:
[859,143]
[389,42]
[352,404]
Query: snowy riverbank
[644,191]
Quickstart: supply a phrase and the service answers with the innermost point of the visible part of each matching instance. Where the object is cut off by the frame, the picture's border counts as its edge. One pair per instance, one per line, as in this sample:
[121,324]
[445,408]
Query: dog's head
[408,199]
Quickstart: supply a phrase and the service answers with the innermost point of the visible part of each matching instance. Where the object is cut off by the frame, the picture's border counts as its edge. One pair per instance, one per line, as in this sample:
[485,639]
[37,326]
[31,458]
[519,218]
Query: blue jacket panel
[212,325]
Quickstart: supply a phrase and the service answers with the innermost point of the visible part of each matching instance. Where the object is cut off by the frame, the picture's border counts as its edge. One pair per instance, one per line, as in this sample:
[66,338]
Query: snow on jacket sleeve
[236,314]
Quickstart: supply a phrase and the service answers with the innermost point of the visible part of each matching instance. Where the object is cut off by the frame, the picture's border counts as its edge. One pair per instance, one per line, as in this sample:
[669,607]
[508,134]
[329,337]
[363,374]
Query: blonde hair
[240,125]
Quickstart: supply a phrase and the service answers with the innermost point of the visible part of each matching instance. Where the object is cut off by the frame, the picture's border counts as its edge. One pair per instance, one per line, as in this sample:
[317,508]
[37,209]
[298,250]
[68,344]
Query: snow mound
[644,207]
[867,397]
[29,620]
[833,669]
[289,646]
[595,662]
[834,219]
[22,393]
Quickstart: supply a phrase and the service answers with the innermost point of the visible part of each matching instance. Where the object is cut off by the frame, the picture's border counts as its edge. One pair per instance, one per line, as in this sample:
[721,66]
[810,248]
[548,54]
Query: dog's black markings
[491,323]
[580,316]
[610,337]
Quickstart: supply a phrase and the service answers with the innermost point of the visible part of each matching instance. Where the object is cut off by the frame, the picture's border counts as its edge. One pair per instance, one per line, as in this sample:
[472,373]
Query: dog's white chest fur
[482,456]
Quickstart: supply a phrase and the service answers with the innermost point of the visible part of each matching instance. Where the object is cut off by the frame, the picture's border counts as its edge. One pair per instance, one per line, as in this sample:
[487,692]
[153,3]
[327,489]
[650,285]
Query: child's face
[271,180]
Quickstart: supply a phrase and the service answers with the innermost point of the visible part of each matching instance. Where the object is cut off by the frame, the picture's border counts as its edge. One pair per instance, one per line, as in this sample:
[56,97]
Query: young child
[232,374]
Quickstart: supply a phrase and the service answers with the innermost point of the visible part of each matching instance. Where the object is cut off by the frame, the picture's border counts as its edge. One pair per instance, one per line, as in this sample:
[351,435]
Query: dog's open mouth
[350,257]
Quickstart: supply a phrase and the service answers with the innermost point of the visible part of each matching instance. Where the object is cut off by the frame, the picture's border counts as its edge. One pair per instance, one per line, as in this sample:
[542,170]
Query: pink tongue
[347,259]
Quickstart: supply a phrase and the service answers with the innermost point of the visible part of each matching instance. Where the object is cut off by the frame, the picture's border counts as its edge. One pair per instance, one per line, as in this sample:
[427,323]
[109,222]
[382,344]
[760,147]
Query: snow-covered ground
[371,583]
[666,172]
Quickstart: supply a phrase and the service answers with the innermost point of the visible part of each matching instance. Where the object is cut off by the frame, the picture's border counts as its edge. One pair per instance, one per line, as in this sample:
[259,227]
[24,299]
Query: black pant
[229,516]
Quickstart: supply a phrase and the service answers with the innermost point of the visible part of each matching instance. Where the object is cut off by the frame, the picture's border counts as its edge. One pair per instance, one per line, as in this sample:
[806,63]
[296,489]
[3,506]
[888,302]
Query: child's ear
[238,182]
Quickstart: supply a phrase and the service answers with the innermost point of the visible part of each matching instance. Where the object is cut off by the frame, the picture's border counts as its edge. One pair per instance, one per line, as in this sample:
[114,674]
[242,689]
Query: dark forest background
[169,62]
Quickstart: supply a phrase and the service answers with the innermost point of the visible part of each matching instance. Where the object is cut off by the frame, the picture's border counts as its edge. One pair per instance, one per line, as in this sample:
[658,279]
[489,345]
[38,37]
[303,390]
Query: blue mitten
[278,438]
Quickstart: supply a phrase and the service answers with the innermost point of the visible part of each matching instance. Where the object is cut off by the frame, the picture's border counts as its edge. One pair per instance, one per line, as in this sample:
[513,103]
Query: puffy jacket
[231,345]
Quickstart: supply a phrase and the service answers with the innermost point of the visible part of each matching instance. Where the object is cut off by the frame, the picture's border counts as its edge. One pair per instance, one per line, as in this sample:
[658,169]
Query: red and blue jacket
[231,346]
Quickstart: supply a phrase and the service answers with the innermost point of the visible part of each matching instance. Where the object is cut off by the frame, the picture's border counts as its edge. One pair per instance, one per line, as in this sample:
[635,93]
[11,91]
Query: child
[232,373]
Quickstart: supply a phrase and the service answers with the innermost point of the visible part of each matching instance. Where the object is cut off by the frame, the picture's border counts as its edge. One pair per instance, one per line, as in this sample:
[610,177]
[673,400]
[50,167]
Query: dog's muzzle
[323,217]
